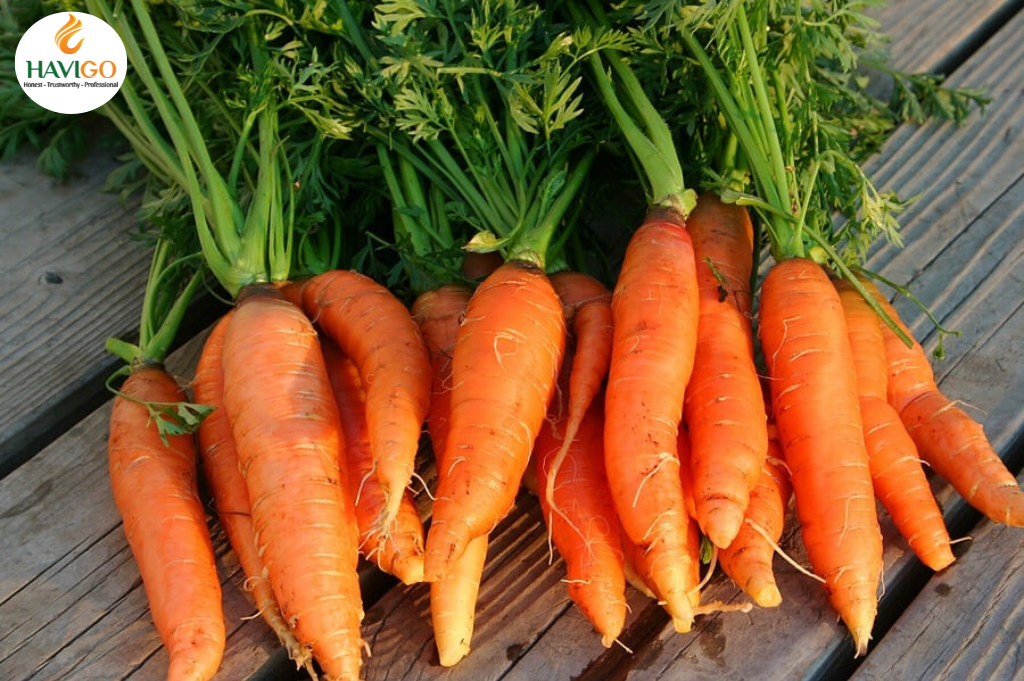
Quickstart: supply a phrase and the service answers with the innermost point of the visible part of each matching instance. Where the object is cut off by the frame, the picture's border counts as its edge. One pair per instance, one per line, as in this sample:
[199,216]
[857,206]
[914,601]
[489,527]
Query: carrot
[586,532]
[640,571]
[285,424]
[813,386]
[724,405]
[748,559]
[635,567]
[587,305]
[219,459]
[505,365]
[400,552]
[685,453]
[453,597]
[655,310]
[155,491]
[438,313]
[899,479]
[375,330]
[947,438]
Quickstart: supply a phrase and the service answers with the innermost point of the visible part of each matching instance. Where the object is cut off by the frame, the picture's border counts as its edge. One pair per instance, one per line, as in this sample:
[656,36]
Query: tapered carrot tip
[859,619]
[724,521]
[190,657]
[454,654]
[939,559]
[764,594]
[680,609]
[409,569]
[611,628]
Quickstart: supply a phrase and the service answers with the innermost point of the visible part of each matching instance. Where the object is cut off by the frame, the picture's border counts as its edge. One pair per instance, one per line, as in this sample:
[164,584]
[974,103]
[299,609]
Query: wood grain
[72,276]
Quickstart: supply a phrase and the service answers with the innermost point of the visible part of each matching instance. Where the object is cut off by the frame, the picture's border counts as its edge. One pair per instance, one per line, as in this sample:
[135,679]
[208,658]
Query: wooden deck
[71,602]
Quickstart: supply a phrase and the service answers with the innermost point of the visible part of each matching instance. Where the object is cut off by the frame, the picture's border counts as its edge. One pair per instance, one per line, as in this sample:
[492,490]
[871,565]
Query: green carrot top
[477,108]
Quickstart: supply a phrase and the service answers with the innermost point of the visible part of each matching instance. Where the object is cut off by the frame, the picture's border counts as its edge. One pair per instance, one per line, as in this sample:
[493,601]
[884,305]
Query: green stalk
[791,241]
[533,246]
[644,129]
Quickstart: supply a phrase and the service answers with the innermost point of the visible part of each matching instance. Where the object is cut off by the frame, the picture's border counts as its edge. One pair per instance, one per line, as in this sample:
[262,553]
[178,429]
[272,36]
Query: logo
[65,34]
[70,62]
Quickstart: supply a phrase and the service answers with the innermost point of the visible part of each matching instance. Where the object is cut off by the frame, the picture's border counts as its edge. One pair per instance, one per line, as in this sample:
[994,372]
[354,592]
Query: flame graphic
[65,34]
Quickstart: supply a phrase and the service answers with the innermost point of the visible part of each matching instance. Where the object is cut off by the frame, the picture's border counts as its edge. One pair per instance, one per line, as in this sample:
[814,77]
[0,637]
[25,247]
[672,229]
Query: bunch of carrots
[677,410]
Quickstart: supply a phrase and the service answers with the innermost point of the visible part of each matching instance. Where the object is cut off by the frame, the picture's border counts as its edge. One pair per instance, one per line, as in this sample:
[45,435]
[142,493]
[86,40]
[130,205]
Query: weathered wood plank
[936,35]
[71,277]
[955,172]
[968,623]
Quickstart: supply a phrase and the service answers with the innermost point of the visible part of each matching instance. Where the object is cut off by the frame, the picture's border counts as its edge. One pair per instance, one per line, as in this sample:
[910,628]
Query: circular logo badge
[70,62]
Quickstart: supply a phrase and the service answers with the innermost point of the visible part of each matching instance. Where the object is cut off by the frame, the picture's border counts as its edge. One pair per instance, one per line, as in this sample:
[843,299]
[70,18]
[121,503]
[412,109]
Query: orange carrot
[956,447]
[724,407]
[586,532]
[813,386]
[587,305]
[285,424]
[453,597]
[375,330]
[439,313]
[748,559]
[655,312]
[400,552]
[230,495]
[947,438]
[155,491]
[504,368]
[899,479]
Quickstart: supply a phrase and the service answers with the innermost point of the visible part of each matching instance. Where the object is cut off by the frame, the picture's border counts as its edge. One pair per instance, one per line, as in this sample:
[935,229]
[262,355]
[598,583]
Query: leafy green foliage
[817,62]
[59,140]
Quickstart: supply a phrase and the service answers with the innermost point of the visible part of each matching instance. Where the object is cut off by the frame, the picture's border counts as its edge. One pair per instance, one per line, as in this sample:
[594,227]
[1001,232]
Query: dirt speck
[943,589]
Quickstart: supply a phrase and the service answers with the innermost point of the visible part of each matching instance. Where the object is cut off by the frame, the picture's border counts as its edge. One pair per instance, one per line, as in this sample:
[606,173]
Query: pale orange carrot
[816,407]
[655,312]
[724,408]
[453,601]
[376,331]
[286,428]
[155,491]
[505,365]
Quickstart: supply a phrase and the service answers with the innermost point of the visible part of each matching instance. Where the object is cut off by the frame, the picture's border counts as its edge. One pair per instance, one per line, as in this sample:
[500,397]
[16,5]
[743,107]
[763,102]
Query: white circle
[70,62]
